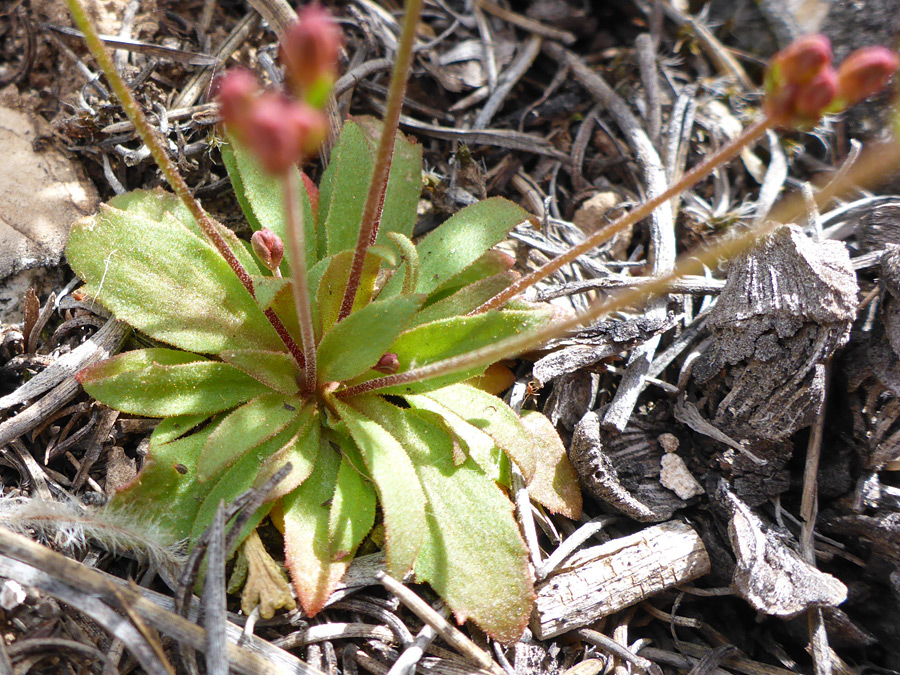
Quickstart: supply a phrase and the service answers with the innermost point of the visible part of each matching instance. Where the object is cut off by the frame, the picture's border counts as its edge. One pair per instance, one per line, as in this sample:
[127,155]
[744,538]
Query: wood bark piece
[592,345]
[622,470]
[872,370]
[787,306]
[768,574]
[604,579]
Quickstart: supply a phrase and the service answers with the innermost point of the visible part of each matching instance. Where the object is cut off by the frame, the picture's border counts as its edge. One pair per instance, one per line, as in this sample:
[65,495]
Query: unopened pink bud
[780,104]
[310,49]
[800,61]
[280,131]
[268,248]
[816,95]
[865,72]
[387,364]
[311,126]
[236,90]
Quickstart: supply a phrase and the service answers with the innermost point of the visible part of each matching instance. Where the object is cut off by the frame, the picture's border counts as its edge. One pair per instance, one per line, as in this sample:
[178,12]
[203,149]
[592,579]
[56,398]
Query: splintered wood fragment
[604,579]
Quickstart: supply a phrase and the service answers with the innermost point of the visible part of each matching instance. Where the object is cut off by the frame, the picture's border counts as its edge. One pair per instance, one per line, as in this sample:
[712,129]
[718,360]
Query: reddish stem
[148,135]
[722,156]
[371,217]
[295,236]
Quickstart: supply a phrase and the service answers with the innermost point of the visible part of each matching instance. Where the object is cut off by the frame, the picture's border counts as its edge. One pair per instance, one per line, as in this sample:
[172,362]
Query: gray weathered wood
[604,579]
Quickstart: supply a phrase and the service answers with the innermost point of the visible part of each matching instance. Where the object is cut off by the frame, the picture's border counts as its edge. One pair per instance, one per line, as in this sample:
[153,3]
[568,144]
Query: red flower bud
[236,90]
[816,95]
[268,248]
[865,72]
[800,61]
[387,364]
[310,49]
[311,125]
[780,104]
[280,131]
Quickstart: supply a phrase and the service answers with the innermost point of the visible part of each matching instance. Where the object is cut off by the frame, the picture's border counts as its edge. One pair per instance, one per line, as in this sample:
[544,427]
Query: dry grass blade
[450,633]
[214,601]
[256,656]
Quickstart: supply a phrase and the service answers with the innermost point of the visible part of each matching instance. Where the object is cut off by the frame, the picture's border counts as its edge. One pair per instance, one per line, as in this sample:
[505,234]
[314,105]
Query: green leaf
[343,190]
[554,483]
[164,382]
[472,555]
[307,549]
[464,238]
[172,428]
[492,263]
[442,339]
[398,213]
[345,184]
[261,196]
[333,283]
[228,487]
[479,446]
[244,429]
[166,491]
[301,451]
[353,506]
[402,500]
[466,299]
[267,289]
[167,282]
[493,417]
[276,370]
[243,475]
[158,205]
[411,257]
[355,344]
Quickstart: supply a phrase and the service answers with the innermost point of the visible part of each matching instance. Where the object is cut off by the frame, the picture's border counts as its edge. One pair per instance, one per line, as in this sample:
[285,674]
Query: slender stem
[295,235]
[148,136]
[371,217]
[873,166]
[158,151]
[285,336]
[691,178]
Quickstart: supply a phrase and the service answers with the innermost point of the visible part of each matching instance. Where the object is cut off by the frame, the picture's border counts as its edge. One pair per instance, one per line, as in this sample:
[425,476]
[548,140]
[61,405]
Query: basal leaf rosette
[428,459]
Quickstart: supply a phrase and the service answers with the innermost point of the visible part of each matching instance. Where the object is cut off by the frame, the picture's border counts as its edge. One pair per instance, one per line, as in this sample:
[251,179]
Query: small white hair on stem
[71,525]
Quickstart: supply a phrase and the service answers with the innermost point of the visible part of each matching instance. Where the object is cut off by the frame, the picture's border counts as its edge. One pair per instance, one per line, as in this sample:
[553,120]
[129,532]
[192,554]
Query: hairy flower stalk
[371,218]
[166,166]
[295,235]
[866,171]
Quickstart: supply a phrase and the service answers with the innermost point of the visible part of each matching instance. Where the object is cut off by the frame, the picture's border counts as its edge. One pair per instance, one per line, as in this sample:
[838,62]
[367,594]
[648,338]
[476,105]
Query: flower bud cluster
[802,84]
[278,128]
